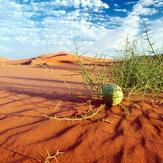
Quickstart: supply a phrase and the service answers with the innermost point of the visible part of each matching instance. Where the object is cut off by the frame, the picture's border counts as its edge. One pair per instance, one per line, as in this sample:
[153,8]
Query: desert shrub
[132,71]
[136,72]
[141,73]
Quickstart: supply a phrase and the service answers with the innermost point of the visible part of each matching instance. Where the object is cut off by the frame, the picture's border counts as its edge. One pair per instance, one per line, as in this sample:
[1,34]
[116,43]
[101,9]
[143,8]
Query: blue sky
[33,27]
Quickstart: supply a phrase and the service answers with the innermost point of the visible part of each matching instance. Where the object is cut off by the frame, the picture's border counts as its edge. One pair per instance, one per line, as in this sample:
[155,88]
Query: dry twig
[89,115]
[50,157]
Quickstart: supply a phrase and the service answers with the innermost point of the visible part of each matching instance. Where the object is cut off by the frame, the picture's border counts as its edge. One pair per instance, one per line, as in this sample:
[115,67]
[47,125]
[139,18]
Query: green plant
[139,73]
[132,71]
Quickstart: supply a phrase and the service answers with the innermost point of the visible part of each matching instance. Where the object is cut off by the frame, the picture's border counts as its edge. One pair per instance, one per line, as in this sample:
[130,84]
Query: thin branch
[86,116]
[50,157]
[148,39]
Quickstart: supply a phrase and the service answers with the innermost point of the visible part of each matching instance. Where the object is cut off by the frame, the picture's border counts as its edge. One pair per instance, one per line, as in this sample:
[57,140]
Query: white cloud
[143,8]
[131,24]
[130,3]
[75,3]
[120,10]
[131,27]
[49,26]
[159,3]
[116,5]
[157,32]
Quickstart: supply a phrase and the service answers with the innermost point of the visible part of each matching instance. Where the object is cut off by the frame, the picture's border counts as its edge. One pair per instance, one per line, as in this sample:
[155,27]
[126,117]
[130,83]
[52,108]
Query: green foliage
[133,71]
[136,72]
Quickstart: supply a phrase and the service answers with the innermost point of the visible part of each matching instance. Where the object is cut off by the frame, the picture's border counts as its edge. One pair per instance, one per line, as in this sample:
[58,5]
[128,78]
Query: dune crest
[2,59]
[56,59]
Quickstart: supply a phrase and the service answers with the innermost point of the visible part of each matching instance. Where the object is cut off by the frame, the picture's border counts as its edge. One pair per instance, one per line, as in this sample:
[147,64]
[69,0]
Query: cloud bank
[33,27]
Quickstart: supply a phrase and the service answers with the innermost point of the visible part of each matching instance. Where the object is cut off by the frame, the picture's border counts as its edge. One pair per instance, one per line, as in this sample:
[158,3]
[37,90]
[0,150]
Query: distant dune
[2,59]
[56,59]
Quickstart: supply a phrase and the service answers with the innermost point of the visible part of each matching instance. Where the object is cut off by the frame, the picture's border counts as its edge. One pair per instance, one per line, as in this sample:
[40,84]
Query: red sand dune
[3,59]
[57,59]
[28,93]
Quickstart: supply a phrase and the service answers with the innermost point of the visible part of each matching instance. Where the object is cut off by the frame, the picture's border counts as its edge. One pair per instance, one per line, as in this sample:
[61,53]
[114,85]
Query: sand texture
[29,92]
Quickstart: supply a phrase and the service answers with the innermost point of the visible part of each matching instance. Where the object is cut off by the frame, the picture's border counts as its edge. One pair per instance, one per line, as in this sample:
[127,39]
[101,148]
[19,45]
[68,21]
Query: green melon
[112,94]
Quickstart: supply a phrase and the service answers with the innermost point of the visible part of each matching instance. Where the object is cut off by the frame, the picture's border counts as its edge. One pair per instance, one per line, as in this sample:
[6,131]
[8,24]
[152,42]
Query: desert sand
[28,92]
